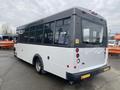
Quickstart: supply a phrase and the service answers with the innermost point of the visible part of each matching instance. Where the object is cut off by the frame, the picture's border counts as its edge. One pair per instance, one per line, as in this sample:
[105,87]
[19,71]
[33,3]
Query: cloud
[19,12]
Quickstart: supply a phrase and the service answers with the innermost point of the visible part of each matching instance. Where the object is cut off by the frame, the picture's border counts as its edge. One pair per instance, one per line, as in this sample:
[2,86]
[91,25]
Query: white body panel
[92,58]
[60,57]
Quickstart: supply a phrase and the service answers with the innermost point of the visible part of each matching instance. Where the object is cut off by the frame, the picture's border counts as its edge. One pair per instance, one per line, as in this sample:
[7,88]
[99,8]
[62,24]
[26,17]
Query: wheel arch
[37,56]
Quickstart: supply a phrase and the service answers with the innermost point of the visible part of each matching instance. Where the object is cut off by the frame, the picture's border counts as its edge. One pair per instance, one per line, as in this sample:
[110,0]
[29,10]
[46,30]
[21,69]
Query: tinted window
[20,35]
[23,36]
[39,34]
[48,33]
[62,32]
[92,32]
[26,35]
[32,34]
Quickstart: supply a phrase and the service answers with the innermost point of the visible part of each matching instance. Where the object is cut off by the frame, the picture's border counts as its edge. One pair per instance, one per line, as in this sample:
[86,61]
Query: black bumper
[90,73]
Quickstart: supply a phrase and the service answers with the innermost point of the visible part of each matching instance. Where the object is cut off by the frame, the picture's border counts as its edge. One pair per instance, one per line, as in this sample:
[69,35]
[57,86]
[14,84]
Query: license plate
[85,76]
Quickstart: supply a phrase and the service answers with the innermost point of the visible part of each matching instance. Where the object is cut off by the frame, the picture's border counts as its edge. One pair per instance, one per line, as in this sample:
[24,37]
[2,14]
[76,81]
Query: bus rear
[90,42]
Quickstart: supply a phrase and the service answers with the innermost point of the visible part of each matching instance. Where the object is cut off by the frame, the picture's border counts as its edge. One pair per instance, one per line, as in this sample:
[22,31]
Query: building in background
[7,29]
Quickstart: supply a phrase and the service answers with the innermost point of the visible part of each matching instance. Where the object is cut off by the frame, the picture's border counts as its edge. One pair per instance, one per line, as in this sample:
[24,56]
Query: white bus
[71,44]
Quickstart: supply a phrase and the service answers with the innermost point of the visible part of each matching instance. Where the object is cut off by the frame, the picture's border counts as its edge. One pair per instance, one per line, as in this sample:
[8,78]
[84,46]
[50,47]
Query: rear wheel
[39,66]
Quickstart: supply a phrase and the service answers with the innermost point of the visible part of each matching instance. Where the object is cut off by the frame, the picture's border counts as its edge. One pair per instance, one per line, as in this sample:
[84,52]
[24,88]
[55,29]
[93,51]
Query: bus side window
[20,35]
[62,32]
[32,34]
[58,27]
[20,38]
[39,34]
[26,35]
[48,33]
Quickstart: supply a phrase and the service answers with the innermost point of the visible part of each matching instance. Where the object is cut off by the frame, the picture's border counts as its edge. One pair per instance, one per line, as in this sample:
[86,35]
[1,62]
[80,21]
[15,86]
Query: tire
[39,66]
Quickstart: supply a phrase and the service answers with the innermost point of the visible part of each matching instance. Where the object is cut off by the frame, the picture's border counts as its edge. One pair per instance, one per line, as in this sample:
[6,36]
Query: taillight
[77,55]
[77,50]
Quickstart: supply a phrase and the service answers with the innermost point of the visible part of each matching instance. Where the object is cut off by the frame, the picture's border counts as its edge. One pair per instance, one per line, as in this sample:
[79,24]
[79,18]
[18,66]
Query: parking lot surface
[15,74]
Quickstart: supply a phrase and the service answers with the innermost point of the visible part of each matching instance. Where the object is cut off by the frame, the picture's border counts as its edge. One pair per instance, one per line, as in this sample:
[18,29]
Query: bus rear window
[92,32]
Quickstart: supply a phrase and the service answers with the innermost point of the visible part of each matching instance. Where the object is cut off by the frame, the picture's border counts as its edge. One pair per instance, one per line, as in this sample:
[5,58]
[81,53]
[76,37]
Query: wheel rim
[38,66]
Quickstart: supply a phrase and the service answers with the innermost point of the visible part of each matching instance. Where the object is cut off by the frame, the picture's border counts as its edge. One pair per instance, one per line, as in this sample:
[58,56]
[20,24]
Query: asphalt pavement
[16,74]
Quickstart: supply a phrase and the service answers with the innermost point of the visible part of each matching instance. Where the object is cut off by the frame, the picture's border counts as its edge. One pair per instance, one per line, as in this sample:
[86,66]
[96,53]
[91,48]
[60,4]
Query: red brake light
[77,49]
[77,55]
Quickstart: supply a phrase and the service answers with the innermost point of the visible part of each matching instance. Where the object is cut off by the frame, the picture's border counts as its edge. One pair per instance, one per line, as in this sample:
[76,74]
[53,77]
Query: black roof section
[63,14]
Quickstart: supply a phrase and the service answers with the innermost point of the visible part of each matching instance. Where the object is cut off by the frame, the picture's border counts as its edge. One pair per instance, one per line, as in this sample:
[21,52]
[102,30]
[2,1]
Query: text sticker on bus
[77,41]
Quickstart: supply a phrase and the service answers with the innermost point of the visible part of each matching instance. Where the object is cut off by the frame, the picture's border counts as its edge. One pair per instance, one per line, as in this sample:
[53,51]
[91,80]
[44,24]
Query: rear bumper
[86,74]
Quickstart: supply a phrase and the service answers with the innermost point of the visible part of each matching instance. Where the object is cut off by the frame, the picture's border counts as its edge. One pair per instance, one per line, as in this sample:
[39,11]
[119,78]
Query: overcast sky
[19,12]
